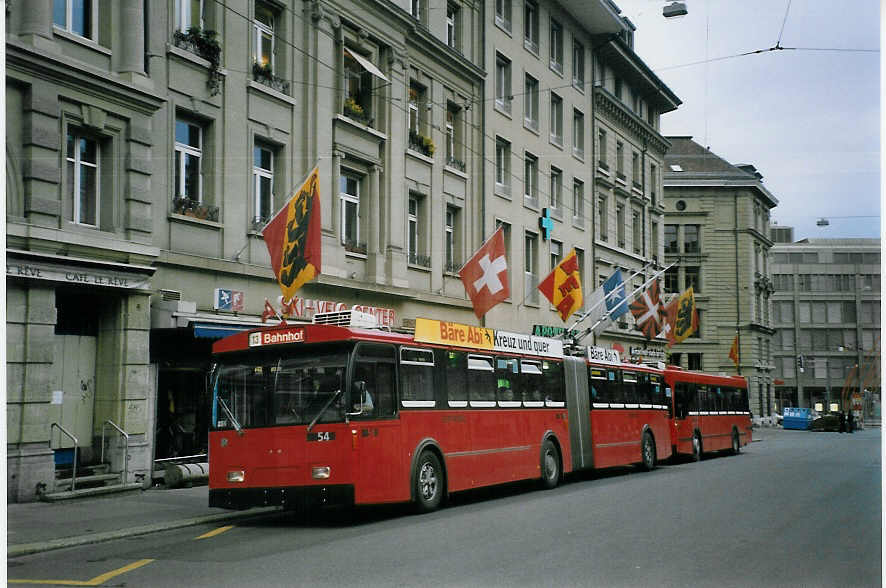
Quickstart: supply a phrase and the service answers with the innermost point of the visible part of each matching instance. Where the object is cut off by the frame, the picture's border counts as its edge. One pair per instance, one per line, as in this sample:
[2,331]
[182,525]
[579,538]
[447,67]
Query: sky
[809,121]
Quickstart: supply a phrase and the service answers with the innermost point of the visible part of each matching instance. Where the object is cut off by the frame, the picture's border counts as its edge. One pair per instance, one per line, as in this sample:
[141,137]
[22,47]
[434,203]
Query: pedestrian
[851,426]
[842,422]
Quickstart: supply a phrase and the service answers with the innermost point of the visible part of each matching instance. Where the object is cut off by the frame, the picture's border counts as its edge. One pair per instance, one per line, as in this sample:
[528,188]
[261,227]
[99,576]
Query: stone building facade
[826,313]
[717,229]
[149,143]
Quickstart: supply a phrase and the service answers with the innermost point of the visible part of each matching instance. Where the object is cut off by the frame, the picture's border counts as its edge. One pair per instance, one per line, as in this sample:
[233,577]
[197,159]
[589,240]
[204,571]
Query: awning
[216,331]
[366,64]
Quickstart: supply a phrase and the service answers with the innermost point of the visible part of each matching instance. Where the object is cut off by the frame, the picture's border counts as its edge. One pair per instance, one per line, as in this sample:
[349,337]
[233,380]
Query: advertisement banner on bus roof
[447,333]
[528,344]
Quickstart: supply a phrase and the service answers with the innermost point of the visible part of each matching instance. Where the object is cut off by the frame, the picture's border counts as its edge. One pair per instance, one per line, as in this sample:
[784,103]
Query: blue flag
[614,293]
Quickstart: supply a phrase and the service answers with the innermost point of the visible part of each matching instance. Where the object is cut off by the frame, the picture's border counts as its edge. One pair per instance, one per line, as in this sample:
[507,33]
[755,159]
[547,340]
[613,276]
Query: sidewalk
[40,526]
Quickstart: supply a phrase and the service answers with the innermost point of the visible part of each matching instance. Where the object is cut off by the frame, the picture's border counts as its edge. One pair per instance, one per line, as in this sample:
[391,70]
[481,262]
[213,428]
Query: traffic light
[801,363]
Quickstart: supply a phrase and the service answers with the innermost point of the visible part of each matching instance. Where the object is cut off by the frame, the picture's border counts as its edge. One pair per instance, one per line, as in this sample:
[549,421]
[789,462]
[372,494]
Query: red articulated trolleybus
[321,413]
[711,413]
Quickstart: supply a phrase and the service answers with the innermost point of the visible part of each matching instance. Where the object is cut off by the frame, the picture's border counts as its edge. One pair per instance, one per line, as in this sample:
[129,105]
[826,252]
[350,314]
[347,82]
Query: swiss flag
[485,275]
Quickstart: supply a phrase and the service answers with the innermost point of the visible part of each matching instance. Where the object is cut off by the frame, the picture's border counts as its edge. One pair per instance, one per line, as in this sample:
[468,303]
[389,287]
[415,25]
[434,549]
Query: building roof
[689,164]
[852,242]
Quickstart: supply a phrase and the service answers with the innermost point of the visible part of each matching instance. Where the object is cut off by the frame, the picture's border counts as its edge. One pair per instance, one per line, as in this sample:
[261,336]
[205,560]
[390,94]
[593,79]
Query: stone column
[375,256]
[35,24]
[132,38]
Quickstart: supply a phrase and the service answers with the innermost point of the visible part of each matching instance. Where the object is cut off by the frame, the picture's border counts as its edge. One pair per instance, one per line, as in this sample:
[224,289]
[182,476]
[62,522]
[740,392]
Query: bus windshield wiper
[322,410]
[230,414]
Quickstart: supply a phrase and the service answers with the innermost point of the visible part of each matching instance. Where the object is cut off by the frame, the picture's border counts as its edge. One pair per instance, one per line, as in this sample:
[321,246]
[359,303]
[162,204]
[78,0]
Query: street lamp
[675,10]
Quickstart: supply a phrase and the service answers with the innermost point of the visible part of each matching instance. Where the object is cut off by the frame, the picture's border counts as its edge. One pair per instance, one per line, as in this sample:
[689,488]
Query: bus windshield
[271,390]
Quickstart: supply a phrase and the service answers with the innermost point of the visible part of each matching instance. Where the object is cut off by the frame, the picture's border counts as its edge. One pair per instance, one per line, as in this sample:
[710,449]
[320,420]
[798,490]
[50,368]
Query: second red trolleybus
[321,413]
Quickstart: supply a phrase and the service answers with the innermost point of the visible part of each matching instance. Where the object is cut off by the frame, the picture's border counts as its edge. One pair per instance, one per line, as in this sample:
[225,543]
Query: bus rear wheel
[648,449]
[736,443]
[428,482]
[550,465]
[696,447]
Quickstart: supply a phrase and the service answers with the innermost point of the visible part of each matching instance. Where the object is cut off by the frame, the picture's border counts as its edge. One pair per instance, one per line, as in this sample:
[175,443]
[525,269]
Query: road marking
[214,532]
[97,581]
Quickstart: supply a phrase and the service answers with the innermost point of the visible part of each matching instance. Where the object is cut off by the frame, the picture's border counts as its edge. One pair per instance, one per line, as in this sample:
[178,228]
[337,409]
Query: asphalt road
[795,509]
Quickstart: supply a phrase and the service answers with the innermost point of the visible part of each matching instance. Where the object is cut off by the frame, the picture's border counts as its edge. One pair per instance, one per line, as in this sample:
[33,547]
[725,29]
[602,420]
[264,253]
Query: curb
[30,548]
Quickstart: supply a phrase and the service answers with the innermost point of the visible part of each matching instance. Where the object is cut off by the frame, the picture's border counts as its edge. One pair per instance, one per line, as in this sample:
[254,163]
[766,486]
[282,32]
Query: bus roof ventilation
[346,318]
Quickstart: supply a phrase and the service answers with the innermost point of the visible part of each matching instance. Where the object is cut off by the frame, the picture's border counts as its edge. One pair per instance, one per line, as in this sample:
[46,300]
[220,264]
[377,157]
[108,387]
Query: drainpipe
[737,286]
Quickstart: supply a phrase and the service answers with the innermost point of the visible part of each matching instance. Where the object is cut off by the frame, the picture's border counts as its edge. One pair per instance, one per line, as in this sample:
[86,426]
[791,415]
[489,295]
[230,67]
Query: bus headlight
[236,476]
[320,472]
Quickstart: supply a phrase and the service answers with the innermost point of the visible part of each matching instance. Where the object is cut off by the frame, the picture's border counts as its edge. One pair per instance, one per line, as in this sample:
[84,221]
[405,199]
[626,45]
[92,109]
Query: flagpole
[605,316]
[586,313]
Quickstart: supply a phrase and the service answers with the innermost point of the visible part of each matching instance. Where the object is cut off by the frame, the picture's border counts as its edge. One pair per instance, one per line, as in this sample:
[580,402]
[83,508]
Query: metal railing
[76,444]
[125,436]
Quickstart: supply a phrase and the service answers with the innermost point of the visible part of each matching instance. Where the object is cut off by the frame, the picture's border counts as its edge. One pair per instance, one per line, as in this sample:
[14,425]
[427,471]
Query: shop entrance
[182,418]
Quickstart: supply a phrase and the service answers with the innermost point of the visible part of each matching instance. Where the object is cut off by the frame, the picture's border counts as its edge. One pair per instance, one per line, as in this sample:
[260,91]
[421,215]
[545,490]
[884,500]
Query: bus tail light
[321,472]
[236,476]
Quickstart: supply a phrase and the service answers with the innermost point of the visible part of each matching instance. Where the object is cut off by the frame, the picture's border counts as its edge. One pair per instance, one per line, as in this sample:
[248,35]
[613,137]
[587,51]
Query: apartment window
[620,224]
[417,109]
[691,274]
[452,263]
[188,160]
[415,9]
[620,160]
[503,14]
[635,170]
[530,179]
[601,150]
[653,239]
[637,231]
[578,200]
[503,82]
[263,28]
[452,25]
[530,26]
[690,238]
[263,183]
[672,280]
[530,102]
[556,189]
[83,179]
[670,239]
[556,253]
[79,17]
[578,133]
[653,183]
[358,84]
[556,119]
[502,165]
[578,66]
[556,46]
[349,196]
[413,244]
[530,269]
[603,218]
[188,14]
[453,137]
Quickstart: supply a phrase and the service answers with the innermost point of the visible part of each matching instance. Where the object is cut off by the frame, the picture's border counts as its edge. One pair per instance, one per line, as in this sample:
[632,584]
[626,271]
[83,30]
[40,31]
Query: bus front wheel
[428,482]
[550,465]
[648,449]
[736,443]
[696,447]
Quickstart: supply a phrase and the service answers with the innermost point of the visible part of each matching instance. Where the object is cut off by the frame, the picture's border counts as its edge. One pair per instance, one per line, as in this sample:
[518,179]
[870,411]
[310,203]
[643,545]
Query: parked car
[827,422]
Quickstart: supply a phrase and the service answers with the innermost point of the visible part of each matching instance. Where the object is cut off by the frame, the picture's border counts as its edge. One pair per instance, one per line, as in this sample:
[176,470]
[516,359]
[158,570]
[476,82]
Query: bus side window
[554,388]
[456,378]
[507,379]
[417,375]
[629,387]
[481,381]
[613,385]
[532,383]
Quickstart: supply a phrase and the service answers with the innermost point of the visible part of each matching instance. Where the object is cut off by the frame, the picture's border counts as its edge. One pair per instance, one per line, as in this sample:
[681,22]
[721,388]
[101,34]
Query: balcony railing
[452,267]
[263,75]
[355,247]
[420,143]
[419,259]
[353,110]
[190,207]
[456,163]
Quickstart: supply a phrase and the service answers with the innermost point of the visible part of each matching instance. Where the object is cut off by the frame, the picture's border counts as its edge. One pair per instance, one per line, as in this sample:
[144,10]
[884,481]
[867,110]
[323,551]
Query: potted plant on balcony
[354,110]
[204,43]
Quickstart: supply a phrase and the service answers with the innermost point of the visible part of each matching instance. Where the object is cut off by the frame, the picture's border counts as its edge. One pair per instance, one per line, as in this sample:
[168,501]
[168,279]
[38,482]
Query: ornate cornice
[612,106]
